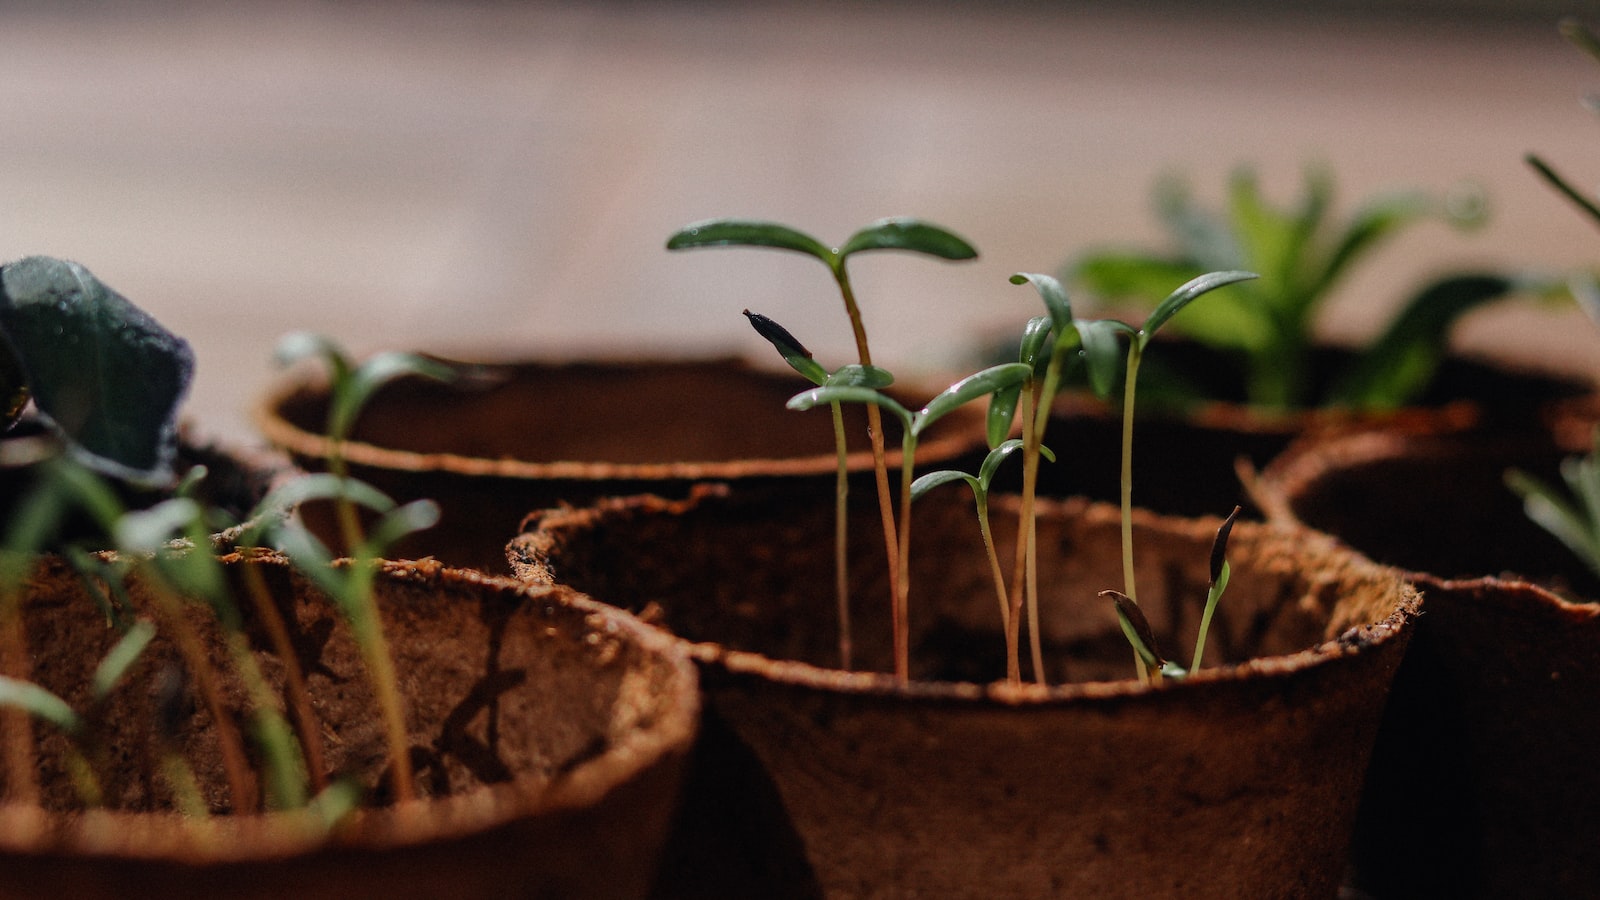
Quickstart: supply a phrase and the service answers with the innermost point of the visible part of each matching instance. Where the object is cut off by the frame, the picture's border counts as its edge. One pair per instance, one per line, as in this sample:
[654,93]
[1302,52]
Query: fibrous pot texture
[1430,503]
[547,733]
[1241,781]
[1483,780]
[507,438]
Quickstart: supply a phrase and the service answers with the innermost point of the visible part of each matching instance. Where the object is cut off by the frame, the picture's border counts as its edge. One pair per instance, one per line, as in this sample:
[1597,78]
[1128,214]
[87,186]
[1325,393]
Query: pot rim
[168,837]
[964,431]
[1395,625]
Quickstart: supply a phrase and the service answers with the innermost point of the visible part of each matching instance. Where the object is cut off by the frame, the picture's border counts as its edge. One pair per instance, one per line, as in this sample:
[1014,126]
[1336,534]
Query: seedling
[1302,255]
[980,495]
[1571,515]
[885,234]
[800,359]
[980,384]
[351,387]
[1055,341]
[1151,666]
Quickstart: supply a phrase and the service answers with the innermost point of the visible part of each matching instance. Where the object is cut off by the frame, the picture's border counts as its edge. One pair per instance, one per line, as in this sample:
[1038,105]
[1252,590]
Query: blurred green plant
[1301,252]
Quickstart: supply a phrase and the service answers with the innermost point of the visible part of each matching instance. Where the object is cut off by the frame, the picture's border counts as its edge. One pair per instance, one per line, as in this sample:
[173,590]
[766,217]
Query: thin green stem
[299,696]
[1030,478]
[982,498]
[368,629]
[841,536]
[902,617]
[344,507]
[1135,352]
[880,463]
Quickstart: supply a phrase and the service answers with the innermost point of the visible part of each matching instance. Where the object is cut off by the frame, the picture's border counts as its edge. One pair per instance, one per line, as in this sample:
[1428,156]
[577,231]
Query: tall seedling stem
[885,234]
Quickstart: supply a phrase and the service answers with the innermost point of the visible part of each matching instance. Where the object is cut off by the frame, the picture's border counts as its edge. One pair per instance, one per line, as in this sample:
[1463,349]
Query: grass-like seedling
[169,546]
[1302,254]
[980,384]
[351,387]
[1571,515]
[905,234]
[801,360]
[980,494]
[1152,667]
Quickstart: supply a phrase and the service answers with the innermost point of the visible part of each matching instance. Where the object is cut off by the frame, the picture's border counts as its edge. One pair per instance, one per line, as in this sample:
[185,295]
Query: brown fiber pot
[548,733]
[1486,762]
[518,436]
[814,782]
[1484,782]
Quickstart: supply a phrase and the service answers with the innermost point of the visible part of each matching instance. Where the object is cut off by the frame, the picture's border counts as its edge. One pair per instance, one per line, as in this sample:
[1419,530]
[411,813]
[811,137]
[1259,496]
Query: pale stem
[880,465]
[982,499]
[841,536]
[1135,351]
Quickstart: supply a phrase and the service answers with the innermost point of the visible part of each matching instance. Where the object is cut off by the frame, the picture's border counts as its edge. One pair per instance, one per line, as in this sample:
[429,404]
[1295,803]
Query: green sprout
[1572,515]
[980,494]
[980,384]
[352,387]
[885,234]
[800,359]
[1055,342]
[1150,664]
[1302,254]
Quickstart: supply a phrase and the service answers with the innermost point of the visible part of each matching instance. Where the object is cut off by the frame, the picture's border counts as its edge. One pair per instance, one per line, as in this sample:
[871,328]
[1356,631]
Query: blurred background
[498,179]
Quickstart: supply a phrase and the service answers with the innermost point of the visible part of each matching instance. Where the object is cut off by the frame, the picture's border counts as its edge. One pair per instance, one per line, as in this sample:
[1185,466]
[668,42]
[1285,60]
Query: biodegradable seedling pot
[1431,503]
[1483,781]
[508,438]
[1240,781]
[548,734]
[1485,763]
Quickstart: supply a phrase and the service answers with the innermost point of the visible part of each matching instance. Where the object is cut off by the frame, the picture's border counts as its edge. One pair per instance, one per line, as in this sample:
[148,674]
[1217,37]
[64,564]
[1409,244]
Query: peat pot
[1485,763]
[507,438]
[1483,780]
[809,781]
[547,733]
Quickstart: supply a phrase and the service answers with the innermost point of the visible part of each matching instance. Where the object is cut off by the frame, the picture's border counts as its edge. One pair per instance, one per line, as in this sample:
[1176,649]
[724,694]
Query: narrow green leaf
[1376,220]
[932,480]
[968,389]
[857,375]
[1581,36]
[1034,348]
[1203,238]
[302,345]
[1102,352]
[789,347]
[39,703]
[1188,293]
[153,529]
[991,462]
[909,234]
[121,658]
[353,394]
[1555,513]
[1054,297]
[1397,367]
[1583,201]
[104,374]
[1002,413]
[418,515]
[849,394]
[749,233]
